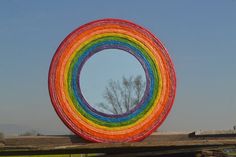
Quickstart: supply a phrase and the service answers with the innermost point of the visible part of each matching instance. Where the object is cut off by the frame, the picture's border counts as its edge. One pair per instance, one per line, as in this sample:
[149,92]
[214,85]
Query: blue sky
[200,36]
[102,68]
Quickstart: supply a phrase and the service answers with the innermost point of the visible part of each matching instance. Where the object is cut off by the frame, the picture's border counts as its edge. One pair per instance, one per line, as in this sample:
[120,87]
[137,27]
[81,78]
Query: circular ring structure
[81,117]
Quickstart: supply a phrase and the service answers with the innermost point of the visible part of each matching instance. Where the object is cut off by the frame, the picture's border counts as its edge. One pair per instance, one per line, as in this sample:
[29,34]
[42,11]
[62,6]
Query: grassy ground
[230,152]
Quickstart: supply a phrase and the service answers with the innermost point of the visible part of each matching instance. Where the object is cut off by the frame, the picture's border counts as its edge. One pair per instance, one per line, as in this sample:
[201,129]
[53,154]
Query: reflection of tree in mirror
[121,97]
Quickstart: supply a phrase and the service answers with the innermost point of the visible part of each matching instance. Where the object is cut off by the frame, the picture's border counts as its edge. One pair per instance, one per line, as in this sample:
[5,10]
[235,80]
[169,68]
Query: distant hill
[13,129]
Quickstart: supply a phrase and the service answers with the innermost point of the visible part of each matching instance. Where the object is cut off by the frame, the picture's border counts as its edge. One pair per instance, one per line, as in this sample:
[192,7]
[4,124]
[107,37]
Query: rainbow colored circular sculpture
[86,121]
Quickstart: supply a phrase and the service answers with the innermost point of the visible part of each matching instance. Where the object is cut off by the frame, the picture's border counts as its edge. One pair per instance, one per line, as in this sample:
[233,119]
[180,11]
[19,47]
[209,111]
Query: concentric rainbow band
[74,110]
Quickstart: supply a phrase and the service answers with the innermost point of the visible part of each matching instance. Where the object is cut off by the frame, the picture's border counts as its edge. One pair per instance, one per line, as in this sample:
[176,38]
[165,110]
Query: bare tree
[122,97]
[1,136]
[31,133]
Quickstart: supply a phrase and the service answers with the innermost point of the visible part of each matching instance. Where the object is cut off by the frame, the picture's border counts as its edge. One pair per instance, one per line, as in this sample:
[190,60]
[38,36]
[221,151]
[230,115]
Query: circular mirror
[112,81]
